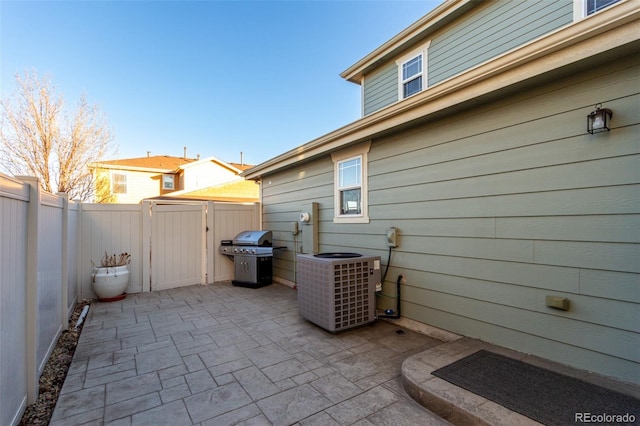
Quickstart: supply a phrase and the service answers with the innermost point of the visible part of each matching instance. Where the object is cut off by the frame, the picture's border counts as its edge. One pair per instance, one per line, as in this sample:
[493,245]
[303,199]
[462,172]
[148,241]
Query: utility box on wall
[309,228]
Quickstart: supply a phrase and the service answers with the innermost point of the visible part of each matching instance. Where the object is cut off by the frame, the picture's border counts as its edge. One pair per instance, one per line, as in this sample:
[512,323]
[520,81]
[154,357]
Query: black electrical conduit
[398,283]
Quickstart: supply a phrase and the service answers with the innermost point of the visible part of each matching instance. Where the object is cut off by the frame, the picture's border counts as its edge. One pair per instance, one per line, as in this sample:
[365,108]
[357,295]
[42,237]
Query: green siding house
[473,143]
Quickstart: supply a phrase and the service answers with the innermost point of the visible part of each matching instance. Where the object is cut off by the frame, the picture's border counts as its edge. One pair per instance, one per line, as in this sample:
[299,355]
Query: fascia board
[213,160]
[198,162]
[129,168]
[570,44]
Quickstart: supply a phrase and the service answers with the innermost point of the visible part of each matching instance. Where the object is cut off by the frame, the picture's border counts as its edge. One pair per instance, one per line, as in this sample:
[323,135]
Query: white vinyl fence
[38,290]
[171,245]
[47,245]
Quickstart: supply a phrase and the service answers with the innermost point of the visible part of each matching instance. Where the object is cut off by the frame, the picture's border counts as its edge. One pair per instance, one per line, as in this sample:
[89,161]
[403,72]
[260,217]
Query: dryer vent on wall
[336,291]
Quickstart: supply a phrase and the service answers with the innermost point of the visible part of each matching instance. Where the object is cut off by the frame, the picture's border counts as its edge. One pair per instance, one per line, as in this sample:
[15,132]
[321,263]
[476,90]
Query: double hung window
[585,8]
[167,182]
[118,183]
[412,76]
[595,5]
[412,71]
[350,184]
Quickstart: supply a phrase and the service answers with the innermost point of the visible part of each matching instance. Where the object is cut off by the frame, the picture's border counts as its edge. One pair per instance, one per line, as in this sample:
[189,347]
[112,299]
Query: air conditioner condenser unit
[336,291]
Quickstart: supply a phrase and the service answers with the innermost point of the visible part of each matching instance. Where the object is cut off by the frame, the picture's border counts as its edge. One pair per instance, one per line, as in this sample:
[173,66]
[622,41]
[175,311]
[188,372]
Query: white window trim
[360,150]
[580,9]
[418,75]
[113,183]
[422,50]
[171,179]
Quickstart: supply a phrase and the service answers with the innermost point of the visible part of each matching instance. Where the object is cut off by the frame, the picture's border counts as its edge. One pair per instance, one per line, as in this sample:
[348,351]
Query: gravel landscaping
[54,372]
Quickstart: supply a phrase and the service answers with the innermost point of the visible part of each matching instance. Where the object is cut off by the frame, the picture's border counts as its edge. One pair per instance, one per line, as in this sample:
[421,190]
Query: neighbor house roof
[163,164]
[238,191]
[588,42]
[241,166]
[160,163]
[234,167]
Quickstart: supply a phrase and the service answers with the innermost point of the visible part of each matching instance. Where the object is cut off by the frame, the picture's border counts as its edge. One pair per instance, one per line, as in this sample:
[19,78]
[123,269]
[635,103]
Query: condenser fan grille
[351,294]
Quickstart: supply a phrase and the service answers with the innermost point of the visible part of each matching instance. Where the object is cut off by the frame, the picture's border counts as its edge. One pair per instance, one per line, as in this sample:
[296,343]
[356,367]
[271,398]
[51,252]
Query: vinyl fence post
[31,338]
[146,212]
[64,285]
[212,250]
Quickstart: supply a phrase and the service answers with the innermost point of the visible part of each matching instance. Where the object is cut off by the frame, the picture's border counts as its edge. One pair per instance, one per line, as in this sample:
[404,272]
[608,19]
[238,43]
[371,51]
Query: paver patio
[222,355]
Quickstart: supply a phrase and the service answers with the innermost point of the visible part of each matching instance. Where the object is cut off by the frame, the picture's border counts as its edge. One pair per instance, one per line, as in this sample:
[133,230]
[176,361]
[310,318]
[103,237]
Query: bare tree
[39,138]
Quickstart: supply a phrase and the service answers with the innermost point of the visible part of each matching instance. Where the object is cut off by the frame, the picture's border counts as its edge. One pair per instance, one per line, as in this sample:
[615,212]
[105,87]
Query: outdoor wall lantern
[599,120]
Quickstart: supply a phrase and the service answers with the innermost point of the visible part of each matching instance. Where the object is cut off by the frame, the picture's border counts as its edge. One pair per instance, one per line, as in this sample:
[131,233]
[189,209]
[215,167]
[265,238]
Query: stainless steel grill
[252,254]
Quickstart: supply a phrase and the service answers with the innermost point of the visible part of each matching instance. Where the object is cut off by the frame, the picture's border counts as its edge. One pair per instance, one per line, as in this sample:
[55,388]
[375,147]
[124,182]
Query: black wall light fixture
[599,120]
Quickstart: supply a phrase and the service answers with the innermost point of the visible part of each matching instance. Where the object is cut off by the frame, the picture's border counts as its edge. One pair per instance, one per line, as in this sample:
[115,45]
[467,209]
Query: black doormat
[542,395]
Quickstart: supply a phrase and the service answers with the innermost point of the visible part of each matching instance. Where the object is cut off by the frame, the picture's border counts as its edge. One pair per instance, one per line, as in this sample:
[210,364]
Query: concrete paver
[219,354]
[222,355]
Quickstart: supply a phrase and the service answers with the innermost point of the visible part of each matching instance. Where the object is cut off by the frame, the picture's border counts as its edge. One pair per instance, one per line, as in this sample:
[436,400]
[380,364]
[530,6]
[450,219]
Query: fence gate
[178,245]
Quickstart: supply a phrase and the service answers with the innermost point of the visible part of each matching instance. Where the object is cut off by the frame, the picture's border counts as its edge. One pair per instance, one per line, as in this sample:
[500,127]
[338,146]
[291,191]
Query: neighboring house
[474,144]
[131,180]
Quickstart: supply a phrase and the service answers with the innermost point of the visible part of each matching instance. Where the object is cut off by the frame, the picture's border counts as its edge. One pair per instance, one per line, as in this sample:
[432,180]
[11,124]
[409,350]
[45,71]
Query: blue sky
[218,77]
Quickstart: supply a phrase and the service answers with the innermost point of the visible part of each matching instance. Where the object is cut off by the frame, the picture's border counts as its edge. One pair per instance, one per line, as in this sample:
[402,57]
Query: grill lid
[253,238]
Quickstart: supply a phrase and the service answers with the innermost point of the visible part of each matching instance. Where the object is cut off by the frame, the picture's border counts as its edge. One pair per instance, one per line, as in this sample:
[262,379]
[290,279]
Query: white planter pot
[110,283]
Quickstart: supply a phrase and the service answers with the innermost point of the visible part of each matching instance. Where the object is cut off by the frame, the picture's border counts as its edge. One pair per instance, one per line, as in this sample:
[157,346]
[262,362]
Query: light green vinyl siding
[496,208]
[491,31]
[380,89]
[284,197]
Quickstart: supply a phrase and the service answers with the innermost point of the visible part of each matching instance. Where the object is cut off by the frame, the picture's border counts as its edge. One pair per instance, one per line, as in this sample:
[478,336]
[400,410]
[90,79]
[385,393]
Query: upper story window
[595,5]
[168,182]
[412,76]
[118,183]
[412,72]
[350,185]
[584,8]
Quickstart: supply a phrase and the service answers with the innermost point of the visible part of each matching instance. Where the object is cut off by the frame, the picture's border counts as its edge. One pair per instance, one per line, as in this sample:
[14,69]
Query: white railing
[46,246]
